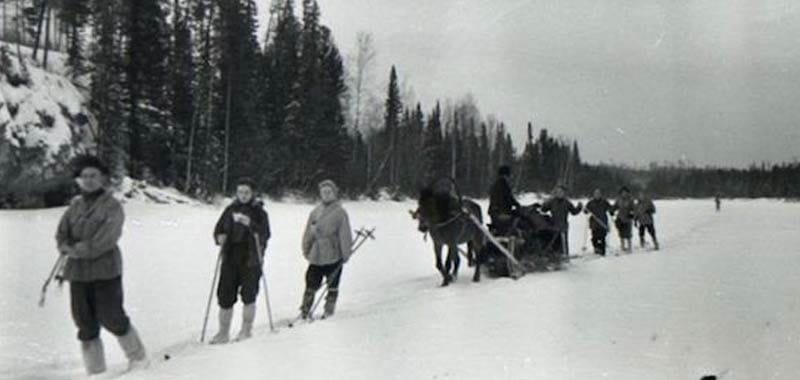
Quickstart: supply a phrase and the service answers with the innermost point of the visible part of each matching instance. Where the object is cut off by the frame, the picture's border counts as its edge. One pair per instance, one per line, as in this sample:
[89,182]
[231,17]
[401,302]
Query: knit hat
[329,183]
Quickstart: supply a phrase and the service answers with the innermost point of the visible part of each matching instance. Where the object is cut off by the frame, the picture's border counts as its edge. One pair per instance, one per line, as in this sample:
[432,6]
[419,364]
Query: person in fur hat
[88,234]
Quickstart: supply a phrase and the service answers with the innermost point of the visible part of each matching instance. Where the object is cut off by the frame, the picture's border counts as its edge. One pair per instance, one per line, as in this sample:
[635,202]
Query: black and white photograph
[384,189]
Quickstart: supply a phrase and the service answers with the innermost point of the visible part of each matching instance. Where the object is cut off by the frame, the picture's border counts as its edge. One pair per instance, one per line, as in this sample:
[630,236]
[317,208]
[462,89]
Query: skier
[88,234]
[560,207]
[598,209]
[624,209]
[326,246]
[644,218]
[502,204]
[717,201]
[242,231]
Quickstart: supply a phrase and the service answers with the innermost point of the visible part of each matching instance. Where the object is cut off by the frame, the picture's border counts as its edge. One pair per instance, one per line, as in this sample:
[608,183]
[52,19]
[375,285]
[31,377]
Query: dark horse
[445,217]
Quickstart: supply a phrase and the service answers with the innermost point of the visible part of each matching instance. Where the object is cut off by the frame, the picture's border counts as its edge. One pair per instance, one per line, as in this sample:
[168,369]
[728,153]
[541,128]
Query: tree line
[184,93]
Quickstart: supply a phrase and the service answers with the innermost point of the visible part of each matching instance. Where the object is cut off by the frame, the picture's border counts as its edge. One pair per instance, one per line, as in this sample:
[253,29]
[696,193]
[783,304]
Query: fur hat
[88,161]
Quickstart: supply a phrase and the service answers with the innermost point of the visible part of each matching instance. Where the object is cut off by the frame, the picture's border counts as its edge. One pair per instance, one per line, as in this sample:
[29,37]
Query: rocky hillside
[44,122]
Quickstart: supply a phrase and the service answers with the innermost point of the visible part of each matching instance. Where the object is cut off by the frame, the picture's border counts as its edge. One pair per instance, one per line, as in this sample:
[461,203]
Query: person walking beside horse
[560,207]
[598,209]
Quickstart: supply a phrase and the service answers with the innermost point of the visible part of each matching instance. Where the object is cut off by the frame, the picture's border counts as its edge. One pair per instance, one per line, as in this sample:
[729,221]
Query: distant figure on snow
[717,201]
[243,232]
[598,209]
[624,208]
[644,218]
[327,246]
[88,234]
[560,207]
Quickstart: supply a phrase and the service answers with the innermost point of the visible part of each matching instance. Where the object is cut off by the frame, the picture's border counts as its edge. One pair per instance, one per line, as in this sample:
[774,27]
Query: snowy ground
[719,298]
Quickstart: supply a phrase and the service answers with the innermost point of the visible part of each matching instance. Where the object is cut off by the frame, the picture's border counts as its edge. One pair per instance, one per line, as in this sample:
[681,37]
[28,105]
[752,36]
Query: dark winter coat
[598,210]
[644,211]
[327,238]
[91,227]
[560,208]
[625,209]
[501,199]
[239,234]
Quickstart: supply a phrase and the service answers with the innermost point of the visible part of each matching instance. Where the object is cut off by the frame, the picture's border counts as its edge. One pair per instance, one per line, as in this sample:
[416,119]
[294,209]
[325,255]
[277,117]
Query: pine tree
[75,15]
[183,71]
[280,98]
[336,144]
[434,166]
[238,90]
[149,129]
[393,107]
[106,90]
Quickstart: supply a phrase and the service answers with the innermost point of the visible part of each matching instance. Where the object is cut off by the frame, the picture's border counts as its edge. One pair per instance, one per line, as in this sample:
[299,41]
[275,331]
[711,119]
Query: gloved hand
[221,239]
[65,249]
[241,219]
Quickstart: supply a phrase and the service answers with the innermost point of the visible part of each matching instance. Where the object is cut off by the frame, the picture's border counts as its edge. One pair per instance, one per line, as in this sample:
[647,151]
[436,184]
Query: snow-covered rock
[43,122]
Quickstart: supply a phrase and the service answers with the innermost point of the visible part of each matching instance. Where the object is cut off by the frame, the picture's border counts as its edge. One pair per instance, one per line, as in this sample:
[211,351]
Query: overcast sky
[713,81]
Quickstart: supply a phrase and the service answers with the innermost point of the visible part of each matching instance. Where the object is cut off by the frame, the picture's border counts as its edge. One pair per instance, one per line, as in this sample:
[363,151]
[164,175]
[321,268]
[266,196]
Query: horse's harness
[447,222]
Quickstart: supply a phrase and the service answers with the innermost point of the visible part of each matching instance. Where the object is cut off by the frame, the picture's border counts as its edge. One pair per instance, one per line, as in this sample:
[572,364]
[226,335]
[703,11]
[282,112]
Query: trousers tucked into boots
[248,316]
[134,349]
[94,357]
[332,273]
[93,354]
[223,335]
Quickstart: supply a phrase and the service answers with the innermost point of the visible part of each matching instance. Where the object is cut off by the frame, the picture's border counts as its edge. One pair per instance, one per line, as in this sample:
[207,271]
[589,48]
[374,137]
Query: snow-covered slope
[719,298]
[43,121]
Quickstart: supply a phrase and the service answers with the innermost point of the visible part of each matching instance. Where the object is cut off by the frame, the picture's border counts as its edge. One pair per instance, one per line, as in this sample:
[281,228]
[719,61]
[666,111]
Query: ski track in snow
[719,298]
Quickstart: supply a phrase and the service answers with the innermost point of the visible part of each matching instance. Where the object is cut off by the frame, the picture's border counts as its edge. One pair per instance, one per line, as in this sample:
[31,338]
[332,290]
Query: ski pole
[264,282]
[356,242]
[586,234]
[211,293]
[56,268]
[361,234]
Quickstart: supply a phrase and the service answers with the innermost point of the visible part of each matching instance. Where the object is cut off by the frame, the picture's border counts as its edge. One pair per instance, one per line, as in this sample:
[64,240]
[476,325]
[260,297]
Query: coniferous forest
[188,94]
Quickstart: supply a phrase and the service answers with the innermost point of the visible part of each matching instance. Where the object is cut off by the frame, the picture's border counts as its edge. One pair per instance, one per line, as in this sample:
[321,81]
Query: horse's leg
[437,253]
[448,266]
[456,257]
[472,253]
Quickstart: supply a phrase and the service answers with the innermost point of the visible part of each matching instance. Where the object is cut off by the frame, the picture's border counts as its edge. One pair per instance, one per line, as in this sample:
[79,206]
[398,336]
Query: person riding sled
[502,204]
[88,234]
[326,245]
[243,232]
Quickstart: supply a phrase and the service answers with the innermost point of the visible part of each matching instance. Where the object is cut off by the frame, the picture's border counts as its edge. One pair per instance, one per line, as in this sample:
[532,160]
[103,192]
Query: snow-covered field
[721,297]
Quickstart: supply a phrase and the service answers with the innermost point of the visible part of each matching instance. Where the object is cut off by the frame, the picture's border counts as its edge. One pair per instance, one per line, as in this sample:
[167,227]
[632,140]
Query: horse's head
[426,210]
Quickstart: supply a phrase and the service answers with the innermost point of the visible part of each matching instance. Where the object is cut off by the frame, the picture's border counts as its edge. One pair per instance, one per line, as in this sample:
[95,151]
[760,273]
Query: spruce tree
[149,128]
